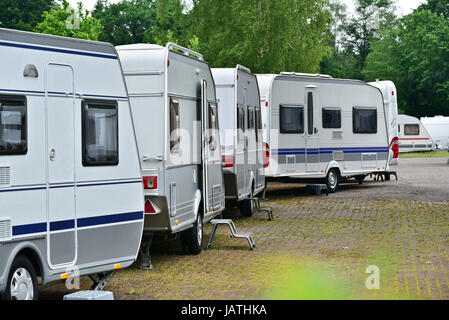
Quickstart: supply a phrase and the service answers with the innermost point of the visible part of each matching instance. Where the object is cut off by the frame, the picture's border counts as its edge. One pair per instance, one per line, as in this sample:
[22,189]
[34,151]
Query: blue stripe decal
[62,225]
[283,152]
[23,189]
[92,221]
[29,228]
[80,53]
[108,183]
[70,224]
[69,186]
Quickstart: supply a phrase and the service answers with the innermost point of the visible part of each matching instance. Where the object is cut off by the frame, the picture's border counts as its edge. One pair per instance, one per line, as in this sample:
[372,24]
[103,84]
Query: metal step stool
[234,234]
[258,208]
[90,295]
[317,189]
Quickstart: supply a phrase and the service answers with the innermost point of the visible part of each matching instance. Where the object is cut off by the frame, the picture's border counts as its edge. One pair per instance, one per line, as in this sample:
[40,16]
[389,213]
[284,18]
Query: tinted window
[13,126]
[175,123]
[411,129]
[331,118]
[292,119]
[250,118]
[258,123]
[100,133]
[240,122]
[364,120]
[310,112]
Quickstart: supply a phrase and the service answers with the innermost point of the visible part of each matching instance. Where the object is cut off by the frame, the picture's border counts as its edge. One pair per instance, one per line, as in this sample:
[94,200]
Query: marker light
[150,183]
[228,161]
[149,207]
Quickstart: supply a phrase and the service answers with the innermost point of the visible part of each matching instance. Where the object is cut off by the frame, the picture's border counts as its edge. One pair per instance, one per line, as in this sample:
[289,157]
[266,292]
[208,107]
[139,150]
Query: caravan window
[175,124]
[213,125]
[240,122]
[411,129]
[13,125]
[364,120]
[250,118]
[310,112]
[292,119]
[100,133]
[258,123]
[331,118]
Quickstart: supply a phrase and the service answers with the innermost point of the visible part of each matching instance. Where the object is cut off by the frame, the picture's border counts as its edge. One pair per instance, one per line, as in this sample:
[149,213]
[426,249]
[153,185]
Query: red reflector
[392,93]
[266,104]
[228,161]
[150,183]
[149,207]
[168,62]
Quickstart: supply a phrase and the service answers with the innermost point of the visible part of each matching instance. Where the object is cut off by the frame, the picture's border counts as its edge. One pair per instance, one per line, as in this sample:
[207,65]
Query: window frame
[325,109]
[354,109]
[19,99]
[282,107]
[411,125]
[84,111]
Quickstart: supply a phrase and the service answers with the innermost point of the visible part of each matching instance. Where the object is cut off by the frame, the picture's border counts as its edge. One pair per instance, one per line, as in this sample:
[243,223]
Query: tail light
[228,161]
[149,207]
[150,183]
[266,155]
[395,147]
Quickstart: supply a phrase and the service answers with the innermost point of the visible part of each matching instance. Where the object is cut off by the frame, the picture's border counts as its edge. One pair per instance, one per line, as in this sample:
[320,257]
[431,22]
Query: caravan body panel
[413,136]
[73,187]
[438,128]
[241,131]
[165,89]
[308,124]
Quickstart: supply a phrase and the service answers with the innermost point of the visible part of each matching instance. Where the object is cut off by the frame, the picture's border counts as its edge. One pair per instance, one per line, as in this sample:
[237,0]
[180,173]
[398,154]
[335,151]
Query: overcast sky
[404,6]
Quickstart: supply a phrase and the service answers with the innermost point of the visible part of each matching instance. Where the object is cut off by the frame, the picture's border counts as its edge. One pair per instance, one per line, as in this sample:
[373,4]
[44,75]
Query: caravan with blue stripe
[324,129]
[71,191]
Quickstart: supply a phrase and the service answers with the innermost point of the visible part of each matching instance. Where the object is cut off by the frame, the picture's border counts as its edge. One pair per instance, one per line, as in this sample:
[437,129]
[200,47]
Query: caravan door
[312,142]
[60,143]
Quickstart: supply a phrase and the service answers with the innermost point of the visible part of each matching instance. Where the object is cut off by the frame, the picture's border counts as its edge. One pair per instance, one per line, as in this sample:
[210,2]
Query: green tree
[67,22]
[437,6]
[415,55]
[23,14]
[126,22]
[268,36]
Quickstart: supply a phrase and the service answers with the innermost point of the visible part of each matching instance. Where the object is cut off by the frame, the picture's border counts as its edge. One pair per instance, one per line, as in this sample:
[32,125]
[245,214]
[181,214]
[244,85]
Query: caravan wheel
[22,281]
[332,180]
[192,239]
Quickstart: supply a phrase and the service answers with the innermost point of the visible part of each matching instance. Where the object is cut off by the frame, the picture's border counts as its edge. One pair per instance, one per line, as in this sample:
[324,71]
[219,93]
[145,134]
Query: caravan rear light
[395,147]
[150,183]
[149,207]
[266,155]
[228,161]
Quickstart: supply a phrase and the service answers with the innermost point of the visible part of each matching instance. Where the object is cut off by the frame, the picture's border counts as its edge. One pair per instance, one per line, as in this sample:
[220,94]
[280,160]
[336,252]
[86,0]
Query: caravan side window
[100,133]
[310,113]
[175,124]
[13,125]
[250,118]
[411,129]
[213,125]
[291,119]
[364,120]
[331,118]
[240,122]
[258,123]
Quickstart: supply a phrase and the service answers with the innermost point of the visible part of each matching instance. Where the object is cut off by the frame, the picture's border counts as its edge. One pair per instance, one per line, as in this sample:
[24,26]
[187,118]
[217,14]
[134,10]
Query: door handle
[52,154]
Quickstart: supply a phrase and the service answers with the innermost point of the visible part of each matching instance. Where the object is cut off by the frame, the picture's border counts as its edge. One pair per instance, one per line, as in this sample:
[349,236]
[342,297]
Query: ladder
[258,208]
[234,234]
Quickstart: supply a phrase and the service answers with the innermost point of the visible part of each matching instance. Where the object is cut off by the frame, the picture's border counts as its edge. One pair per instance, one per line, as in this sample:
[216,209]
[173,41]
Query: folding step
[234,234]
[258,208]
[317,189]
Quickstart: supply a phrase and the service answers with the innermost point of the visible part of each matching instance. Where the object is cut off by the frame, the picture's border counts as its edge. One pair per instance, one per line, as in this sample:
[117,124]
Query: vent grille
[5,230]
[5,176]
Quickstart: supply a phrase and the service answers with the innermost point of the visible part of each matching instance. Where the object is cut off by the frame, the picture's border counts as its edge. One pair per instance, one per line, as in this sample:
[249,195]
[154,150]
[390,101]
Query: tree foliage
[268,36]
[415,55]
[65,21]
[23,14]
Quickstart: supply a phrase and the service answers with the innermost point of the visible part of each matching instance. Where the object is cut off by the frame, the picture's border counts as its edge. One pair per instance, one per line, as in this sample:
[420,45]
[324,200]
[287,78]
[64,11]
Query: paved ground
[317,247]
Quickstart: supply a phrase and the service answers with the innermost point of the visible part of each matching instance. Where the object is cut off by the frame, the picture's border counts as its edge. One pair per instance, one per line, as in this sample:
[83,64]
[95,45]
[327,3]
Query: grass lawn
[429,154]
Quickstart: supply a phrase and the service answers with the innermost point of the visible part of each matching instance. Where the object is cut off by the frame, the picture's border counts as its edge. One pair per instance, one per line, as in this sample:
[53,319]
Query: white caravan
[318,127]
[241,136]
[390,95]
[70,184]
[438,128]
[173,101]
[413,136]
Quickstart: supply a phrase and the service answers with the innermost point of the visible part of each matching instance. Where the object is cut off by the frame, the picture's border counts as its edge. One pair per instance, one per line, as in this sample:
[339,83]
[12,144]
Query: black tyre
[22,281]
[248,207]
[192,239]
[333,180]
